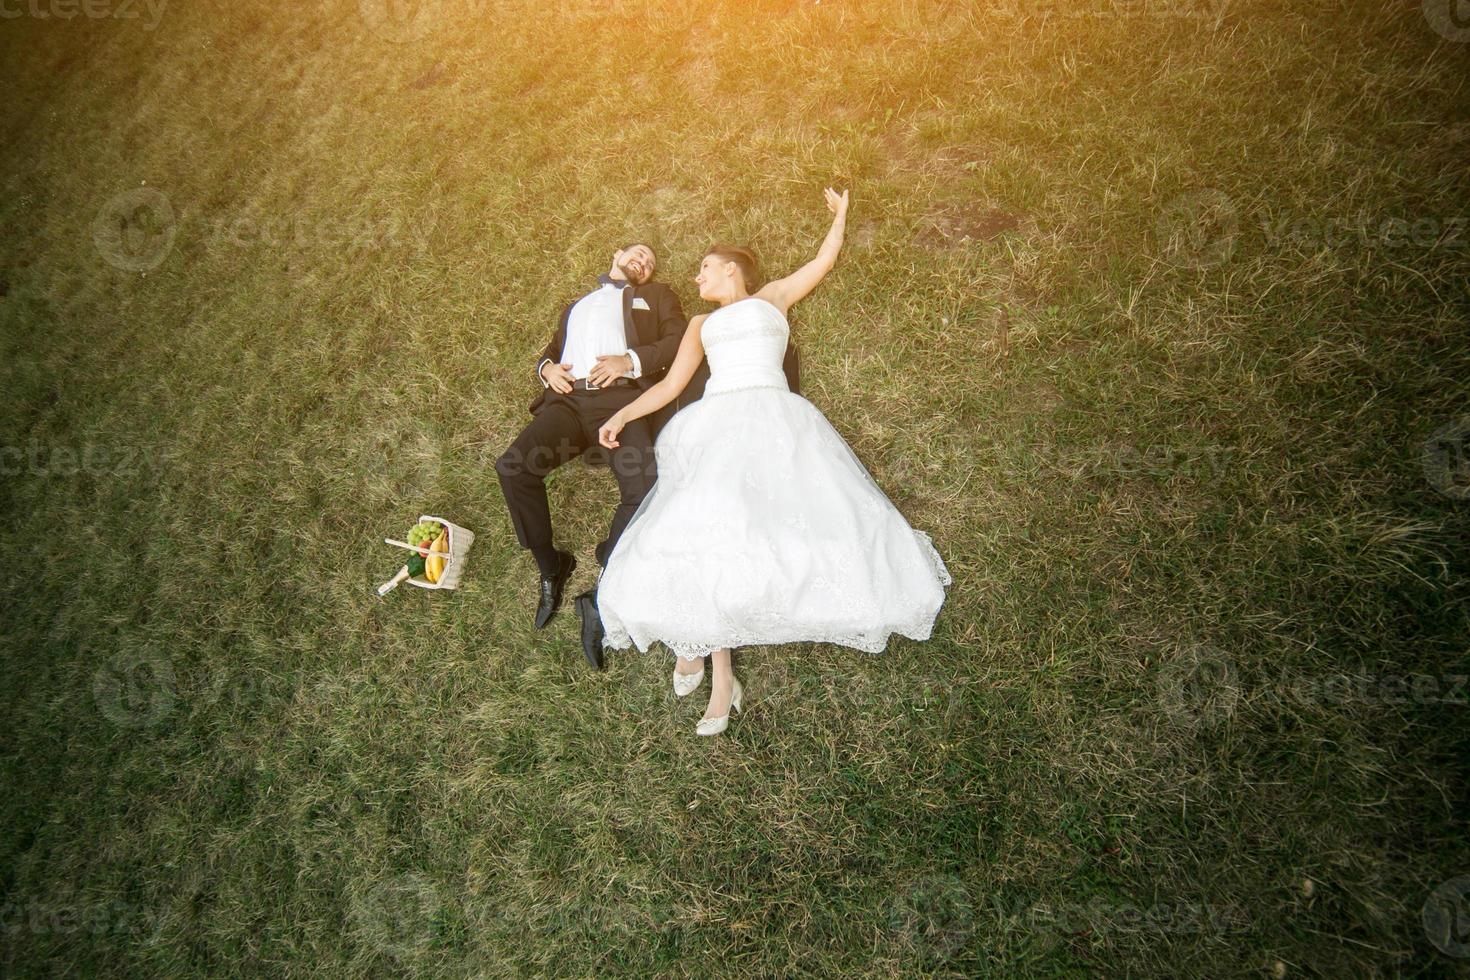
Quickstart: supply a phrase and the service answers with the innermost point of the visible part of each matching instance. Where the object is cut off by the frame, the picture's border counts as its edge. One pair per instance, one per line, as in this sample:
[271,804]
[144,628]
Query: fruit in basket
[428,556]
[434,564]
[414,569]
[424,532]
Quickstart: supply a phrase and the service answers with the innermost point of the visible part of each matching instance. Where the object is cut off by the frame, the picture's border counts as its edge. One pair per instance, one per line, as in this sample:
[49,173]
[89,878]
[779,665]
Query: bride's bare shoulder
[692,332]
[771,294]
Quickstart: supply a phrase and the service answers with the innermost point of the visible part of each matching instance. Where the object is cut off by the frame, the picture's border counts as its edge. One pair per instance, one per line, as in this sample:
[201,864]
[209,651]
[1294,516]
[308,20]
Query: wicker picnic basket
[460,540]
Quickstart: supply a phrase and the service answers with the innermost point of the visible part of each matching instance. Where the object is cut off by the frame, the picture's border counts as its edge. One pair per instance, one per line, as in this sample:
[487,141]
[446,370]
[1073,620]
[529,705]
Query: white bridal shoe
[713,726]
[687,684]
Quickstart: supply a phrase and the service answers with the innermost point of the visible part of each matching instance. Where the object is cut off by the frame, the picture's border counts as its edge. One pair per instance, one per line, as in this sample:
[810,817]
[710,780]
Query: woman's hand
[836,203]
[786,293]
[607,436]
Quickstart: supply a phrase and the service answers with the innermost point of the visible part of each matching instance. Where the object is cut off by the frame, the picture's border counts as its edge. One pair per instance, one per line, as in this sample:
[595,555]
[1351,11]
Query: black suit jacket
[653,334]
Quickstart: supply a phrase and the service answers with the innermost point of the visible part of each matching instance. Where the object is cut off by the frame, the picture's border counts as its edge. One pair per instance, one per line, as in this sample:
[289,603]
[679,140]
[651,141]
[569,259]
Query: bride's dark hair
[744,260]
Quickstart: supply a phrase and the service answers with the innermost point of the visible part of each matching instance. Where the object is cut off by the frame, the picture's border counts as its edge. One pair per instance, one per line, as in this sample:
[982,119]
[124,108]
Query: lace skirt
[764,528]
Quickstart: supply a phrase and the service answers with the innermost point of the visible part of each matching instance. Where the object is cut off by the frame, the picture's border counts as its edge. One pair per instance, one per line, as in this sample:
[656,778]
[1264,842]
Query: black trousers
[565,427]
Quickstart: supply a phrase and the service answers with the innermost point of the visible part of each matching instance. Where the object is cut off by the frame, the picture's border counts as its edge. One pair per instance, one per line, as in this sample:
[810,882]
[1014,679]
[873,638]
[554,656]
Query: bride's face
[716,279]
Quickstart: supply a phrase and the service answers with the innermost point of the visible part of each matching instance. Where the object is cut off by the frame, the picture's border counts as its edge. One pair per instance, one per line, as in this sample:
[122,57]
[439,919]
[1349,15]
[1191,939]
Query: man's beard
[630,275]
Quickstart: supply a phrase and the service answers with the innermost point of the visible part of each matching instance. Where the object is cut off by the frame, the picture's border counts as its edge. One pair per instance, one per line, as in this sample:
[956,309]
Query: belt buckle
[587,385]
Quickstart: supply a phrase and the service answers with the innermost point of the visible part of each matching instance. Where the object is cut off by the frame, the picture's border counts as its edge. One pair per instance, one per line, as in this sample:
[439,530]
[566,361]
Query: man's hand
[610,367]
[558,376]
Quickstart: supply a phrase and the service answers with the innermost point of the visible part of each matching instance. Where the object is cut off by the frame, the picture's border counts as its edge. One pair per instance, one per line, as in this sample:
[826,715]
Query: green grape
[423,533]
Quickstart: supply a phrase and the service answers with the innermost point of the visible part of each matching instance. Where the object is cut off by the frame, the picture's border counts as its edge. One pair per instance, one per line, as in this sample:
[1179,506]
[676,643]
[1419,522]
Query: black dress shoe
[591,628]
[551,589]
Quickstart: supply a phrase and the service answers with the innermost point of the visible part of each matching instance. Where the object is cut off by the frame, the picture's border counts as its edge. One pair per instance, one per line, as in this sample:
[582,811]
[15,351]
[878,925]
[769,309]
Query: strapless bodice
[745,343]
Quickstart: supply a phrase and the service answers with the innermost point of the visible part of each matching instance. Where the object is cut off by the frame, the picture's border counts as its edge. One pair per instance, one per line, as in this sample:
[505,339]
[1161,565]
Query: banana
[434,563]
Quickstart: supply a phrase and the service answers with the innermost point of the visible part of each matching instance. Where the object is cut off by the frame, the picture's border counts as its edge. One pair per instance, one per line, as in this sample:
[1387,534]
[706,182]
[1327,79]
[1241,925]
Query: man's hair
[744,260]
[653,270]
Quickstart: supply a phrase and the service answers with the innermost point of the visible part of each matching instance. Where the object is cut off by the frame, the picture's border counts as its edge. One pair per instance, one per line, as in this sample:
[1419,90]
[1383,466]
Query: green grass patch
[1153,314]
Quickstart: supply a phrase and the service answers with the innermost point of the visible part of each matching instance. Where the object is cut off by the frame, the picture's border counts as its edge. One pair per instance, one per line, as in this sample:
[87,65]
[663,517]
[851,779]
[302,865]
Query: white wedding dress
[763,527]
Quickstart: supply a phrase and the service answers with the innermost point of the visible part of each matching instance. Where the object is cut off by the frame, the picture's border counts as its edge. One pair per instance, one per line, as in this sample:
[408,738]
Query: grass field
[1152,313]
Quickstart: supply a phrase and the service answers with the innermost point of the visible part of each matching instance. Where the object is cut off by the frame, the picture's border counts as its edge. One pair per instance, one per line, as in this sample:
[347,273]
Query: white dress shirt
[594,329]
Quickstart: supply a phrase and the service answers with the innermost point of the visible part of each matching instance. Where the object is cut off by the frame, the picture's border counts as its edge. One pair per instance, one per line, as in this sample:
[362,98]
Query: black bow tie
[607,280]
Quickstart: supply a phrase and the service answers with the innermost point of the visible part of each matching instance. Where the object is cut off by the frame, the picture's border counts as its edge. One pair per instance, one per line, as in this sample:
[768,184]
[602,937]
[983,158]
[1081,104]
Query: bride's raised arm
[784,293]
[665,390]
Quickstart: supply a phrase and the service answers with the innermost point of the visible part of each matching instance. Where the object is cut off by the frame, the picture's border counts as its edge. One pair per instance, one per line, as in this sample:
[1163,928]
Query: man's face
[636,262]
